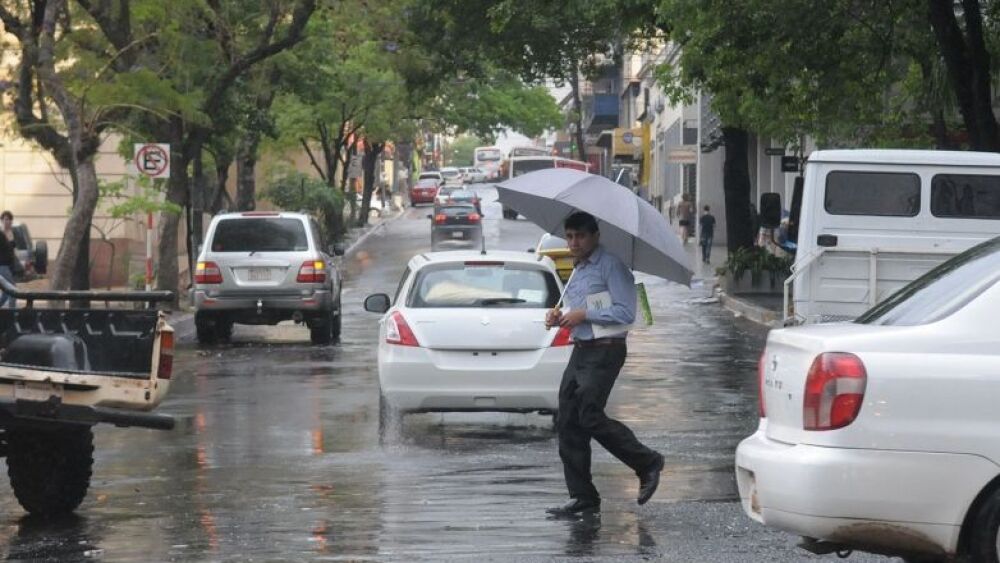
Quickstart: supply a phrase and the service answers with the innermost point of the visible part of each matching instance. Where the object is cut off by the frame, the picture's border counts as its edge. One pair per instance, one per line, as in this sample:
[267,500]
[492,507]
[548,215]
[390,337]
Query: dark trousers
[706,249]
[583,394]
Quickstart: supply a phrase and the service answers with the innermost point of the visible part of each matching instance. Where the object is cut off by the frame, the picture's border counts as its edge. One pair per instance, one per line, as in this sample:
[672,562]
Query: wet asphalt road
[277,457]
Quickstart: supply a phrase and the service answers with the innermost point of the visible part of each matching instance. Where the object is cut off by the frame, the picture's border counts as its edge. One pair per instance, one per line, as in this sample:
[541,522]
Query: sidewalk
[764,309]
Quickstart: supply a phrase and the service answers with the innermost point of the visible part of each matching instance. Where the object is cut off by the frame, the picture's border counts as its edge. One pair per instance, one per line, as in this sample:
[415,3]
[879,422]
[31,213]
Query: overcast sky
[511,138]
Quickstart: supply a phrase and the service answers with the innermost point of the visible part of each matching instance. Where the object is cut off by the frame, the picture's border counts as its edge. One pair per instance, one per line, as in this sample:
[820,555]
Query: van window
[882,194]
[259,234]
[965,196]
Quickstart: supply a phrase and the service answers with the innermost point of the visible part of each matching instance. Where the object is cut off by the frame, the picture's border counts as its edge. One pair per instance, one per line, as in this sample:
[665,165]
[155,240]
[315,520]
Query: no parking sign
[152,159]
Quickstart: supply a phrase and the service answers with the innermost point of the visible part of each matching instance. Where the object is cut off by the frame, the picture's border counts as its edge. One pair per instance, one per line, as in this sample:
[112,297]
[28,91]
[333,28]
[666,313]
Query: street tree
[462,149]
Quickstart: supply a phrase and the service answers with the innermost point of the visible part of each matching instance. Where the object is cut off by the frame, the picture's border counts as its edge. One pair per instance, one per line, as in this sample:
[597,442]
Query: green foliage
[757,261]
[294,191]
[122,204]
[461,151]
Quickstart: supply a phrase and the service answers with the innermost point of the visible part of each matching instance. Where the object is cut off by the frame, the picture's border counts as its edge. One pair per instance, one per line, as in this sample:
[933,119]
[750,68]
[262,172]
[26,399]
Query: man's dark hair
[581,221]
[7,215]
[706,208]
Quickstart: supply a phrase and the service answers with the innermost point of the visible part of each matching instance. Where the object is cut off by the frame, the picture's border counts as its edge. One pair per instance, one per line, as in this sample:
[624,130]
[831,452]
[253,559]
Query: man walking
[707,223]
[598,355]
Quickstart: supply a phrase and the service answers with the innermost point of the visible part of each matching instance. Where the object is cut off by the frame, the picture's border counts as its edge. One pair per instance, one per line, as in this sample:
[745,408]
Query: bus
[518,165]
[529,151]
[488,159]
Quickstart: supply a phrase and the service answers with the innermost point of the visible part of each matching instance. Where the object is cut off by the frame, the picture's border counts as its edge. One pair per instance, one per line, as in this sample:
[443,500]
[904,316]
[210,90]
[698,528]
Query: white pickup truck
[870,221]
[63,371]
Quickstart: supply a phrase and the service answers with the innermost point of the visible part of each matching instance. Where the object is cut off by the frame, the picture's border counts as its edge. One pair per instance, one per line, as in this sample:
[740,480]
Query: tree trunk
[197,199]
[168,274]
[246,167]
[370,160]
[72,264]
[736,187]
[220,200]
[969,68]
[578,111]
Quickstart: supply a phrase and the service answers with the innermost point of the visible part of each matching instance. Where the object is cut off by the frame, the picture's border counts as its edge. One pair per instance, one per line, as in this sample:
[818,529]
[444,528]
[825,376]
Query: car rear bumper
[877,500]
[306,301]
[419,198]
[456,232]
[419,379]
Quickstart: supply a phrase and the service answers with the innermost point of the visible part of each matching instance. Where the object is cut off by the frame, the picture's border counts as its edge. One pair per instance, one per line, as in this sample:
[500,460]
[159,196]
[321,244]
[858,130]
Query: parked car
[34,258]
[456,222]
[558,250]
[466,333]
[464,196]
[263,268]
[452,176]
[474,175]
[424,191]
[882,434]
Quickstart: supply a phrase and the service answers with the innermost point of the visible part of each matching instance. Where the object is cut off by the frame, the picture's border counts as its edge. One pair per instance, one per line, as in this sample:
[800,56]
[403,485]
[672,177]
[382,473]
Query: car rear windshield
[427,183]
[260,234]
[941,291]
[483,284]
[524,166]
[449,173]
[457,209]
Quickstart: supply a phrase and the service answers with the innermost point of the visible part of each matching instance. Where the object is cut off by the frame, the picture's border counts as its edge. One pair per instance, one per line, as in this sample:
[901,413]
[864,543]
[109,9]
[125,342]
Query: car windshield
[446,191]
[427,183]
[484,284]
[941,291]
[260,234]
[462,194]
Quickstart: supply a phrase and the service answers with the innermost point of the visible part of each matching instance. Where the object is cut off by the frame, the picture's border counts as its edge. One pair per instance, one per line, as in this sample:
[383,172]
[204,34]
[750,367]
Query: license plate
[31,391]
[457,234]
[259,274]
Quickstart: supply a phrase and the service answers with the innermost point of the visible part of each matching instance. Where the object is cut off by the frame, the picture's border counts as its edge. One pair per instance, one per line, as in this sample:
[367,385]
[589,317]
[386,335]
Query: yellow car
[556,249]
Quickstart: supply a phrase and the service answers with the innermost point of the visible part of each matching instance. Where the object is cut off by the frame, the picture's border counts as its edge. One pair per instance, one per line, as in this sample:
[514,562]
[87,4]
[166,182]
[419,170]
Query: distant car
[262,267]
[35,259]
[456,222]
[882,434]
[464,196]
[474,175]
[424,191]
[431,175]
[452,176]
[444,194]
[557,249]
[466,333]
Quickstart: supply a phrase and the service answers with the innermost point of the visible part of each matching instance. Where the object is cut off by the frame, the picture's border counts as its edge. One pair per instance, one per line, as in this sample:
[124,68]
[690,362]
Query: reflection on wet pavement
[277,456]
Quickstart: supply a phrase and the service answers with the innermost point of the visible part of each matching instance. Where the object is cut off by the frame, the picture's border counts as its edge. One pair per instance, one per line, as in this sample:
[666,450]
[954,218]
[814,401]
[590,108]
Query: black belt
[594,343]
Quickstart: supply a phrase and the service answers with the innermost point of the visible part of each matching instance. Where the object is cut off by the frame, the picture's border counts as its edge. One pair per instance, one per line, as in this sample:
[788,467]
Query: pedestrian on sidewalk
[707,223]
[685,212]
[598,355]
[8,257]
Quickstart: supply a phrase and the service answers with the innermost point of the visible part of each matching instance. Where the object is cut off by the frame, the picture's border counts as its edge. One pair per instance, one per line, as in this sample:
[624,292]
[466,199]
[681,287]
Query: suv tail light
[312,271]
[564,337]
[835,389]
[440,218]
[761,367]
[166,366]
[207,272]
[398,332]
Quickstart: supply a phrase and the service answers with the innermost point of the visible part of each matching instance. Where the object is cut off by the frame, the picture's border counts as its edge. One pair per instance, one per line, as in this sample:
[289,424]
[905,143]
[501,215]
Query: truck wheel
[41,257]
[224,330]
[984,531]
[335,320]
[322,332]
[50,469]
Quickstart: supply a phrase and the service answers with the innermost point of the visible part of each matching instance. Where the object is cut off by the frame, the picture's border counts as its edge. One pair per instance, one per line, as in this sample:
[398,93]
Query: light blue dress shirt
[602,271]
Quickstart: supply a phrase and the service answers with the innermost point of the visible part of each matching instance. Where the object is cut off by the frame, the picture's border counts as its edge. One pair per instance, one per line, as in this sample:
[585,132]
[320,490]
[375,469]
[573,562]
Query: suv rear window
[881,194]
[965,196]
[260,234]
[483,284]
[941,291]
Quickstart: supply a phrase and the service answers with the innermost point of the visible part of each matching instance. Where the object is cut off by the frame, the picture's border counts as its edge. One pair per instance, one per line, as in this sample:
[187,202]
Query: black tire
[205,327]
[41,257]
[224,331]
[50,469]
[321,333]
[336,323]
[984,531]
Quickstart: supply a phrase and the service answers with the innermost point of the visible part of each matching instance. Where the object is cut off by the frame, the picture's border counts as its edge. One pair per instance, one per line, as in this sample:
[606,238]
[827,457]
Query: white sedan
[883,434]
[467,333]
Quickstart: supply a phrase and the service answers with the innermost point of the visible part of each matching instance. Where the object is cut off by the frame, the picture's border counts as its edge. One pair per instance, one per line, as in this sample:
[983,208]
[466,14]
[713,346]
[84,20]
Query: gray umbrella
[631,229]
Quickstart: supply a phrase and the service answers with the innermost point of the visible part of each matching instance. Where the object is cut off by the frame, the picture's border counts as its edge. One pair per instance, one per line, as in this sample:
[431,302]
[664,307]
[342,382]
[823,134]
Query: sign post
[153,161]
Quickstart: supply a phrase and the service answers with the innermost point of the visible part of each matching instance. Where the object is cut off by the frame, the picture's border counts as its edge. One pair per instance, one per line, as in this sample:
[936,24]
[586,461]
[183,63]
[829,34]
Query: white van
[871,221]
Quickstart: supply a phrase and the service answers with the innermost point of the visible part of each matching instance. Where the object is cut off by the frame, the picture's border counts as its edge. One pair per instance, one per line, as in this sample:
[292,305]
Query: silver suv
[263,268]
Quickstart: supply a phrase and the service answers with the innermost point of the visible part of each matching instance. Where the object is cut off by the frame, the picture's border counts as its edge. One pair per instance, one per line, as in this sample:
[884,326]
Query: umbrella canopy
[631,229]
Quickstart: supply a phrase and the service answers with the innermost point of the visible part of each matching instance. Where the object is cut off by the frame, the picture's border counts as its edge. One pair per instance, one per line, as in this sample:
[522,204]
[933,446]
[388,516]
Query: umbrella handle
[562,296]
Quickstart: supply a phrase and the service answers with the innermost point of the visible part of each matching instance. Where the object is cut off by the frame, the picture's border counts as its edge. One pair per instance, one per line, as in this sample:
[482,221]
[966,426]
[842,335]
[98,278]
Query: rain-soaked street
[277,456]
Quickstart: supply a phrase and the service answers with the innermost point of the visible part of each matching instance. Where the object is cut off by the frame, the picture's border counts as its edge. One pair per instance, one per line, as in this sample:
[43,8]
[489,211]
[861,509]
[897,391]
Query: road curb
[751,311]
[371,230]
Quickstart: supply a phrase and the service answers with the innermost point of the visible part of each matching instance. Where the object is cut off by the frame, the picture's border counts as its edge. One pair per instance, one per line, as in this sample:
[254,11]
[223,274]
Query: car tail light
[440,218]
[312,271]
[398,332]
[207,272]
[761,367]
[835,389]
[564,337]
[474,217]
[166,366]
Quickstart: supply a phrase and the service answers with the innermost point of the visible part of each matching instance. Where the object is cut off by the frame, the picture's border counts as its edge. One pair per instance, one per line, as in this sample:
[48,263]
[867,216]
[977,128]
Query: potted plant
[767,271]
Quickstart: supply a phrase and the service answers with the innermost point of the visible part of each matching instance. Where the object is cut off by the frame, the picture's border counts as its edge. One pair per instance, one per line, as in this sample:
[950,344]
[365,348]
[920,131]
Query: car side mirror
[770,210]
[377,303]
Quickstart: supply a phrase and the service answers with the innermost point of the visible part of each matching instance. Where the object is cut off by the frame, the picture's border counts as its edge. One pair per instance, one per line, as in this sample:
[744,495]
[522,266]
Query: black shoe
[649,480]
[575,507]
